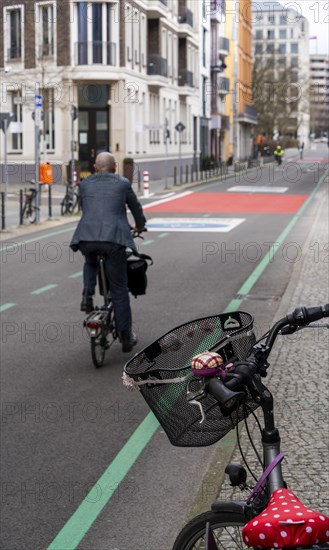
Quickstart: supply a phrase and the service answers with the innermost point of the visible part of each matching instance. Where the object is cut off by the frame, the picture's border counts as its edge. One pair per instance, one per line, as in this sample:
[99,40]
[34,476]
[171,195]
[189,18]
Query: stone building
[113,75]
[319,96]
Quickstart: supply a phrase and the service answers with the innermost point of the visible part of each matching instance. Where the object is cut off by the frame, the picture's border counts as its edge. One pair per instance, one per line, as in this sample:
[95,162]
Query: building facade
[132,77]
[281,44]
[319,96]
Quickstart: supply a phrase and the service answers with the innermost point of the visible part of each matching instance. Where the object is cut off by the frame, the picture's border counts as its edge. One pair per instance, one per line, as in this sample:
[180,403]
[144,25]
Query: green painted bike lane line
[13,245]
[4,307]
[43,289]
[83,518]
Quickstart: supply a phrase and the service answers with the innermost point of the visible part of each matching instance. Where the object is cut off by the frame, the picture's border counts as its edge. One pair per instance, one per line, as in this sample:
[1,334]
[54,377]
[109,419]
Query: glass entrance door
[93,124]
[93,136]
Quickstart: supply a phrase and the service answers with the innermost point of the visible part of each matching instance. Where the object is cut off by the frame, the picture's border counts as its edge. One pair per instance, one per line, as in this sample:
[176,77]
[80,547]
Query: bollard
[21,207]
[175,175]
[186,174]
[146,183]
[3,216]
[181,175]
[49,202]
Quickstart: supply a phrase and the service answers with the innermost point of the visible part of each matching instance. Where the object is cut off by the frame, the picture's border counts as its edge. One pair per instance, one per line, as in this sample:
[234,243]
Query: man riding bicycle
[104,229]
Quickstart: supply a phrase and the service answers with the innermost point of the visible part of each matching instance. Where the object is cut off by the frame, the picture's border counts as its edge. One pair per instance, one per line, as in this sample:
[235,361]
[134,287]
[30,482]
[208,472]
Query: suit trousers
[116,271]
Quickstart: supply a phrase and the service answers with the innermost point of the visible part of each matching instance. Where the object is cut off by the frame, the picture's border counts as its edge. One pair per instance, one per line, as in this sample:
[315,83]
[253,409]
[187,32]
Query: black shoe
[87,303]
[128,340]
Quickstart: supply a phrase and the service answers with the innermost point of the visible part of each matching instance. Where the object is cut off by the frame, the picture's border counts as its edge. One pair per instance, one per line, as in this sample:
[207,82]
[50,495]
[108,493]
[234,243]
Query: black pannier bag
[136,270]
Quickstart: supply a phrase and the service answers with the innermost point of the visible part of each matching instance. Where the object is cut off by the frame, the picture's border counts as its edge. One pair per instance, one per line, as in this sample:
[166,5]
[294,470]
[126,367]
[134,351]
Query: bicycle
[30,207]
[100,323]
[71,201]
[198,397]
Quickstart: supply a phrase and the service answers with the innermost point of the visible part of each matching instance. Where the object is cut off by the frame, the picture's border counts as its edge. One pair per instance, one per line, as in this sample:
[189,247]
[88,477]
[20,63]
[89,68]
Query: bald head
[105,162]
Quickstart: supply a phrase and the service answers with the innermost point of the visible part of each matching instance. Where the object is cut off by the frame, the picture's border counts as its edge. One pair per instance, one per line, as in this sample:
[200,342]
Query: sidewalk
[299,380]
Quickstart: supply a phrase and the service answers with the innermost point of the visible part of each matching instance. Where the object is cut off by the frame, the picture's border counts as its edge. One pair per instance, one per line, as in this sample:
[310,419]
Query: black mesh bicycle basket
[169,358]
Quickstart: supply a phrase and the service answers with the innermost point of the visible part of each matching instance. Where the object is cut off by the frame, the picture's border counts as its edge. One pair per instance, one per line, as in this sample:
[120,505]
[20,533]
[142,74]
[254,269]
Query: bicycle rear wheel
[99,345]
[226,527]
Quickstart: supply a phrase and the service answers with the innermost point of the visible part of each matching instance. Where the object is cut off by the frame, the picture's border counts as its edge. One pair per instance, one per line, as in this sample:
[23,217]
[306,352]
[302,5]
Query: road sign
[38,100]
[5,119]
[202,225]
[180,127]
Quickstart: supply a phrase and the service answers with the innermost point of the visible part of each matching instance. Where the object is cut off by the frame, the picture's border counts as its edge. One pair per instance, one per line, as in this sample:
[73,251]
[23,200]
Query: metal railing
[224,45]
[185,78]
[88,53]
[223,85]
[185,16]
[14,52]
[157,65]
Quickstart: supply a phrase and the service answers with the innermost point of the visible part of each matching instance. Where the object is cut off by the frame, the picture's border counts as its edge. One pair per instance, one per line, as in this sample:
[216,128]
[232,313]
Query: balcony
[97,52]
[249,115]
[185,17]
[223,46]
[156,65]
[185,78]
[223,85]
[156,8]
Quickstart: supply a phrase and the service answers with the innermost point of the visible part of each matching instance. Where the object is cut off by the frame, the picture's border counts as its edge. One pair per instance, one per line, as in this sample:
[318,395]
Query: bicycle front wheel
[226,527]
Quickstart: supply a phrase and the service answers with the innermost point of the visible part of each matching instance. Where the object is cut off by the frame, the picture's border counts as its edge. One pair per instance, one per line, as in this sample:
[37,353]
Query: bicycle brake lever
[195,402]
[192,399]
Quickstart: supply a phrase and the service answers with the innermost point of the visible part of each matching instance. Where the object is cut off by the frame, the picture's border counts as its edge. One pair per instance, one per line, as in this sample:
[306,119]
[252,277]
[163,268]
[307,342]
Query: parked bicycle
[100,323]
[198,397]
[30,208]
[71,200]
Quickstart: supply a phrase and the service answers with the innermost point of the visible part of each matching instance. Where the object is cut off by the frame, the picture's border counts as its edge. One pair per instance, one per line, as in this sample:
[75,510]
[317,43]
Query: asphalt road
[83,464]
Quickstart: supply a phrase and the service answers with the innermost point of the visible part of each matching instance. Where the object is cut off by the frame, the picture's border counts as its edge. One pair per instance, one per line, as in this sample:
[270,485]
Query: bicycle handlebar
[228,393]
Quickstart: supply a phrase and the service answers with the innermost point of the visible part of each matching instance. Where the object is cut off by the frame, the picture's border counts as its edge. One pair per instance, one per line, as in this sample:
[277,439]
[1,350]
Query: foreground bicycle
[30,207]
[198,396]
[100,323]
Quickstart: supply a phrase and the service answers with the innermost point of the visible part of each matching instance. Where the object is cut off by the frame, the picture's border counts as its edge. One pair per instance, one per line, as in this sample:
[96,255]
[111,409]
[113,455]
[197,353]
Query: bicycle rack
[95,322]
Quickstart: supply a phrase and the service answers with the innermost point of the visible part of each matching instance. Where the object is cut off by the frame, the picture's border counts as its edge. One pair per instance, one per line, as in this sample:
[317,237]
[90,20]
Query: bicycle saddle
[286,522]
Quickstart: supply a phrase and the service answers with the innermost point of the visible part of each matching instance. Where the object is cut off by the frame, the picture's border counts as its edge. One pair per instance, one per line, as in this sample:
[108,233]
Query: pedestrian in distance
[104,229]
[301,151]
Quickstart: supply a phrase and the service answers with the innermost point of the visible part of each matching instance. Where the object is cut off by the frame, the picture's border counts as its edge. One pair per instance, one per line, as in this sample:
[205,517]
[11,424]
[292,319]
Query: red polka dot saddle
[286,523]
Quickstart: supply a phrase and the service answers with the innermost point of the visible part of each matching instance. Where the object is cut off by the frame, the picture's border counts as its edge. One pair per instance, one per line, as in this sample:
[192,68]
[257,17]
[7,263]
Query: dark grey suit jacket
[104,198]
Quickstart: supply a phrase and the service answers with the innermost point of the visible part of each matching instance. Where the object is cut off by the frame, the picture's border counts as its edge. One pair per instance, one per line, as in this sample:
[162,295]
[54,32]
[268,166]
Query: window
[270,47]
[270,35]
[283,20]
[94,34]
[283,34]
[271,19]
[14,27]
[46,22]
[294,62]
[49,118]
[282,48]
[259,35]
[17,123]
[294,47]
[259,49]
